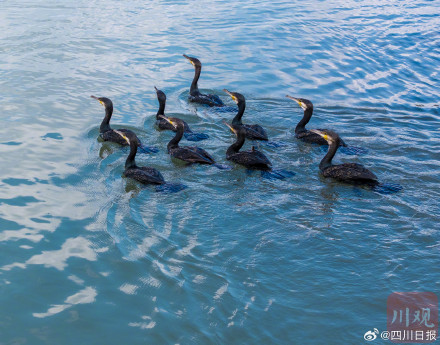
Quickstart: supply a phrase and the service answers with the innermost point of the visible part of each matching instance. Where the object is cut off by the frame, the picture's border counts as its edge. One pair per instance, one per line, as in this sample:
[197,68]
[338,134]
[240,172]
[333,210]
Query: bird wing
[255,132]
[211,100]
[112,136]
[192,154]
[310,137]
[145,175]
[349,171]
[250,158]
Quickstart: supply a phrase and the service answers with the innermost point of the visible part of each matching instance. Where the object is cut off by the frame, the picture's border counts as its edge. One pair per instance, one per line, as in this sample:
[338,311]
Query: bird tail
[170,187]
[353,150]
[190,136]
[148,149]
[387,188]
[277,174]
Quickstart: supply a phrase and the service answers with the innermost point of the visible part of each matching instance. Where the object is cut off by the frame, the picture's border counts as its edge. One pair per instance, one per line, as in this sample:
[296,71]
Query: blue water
[88,257]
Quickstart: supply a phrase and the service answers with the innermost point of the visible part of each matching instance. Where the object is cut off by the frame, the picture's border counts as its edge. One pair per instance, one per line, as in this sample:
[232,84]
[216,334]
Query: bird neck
[327,160]
[130,162]
[235,147]
[161,110]
[241,107]
[194,88]
[105,124]
[175,141]
[301,126]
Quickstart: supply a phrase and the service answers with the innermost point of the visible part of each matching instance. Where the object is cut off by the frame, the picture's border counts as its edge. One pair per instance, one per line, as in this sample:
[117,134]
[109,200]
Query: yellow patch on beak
[192,63]
[123,136]
[102,103]
[167,120]
[230,127]
[325,136]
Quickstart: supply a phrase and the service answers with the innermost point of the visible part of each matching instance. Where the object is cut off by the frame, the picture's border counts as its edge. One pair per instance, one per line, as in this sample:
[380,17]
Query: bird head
[329,135]
[174,122]
[160,95]
[302,102]
[194,61]
[106,102]
[237,97]
[236,129]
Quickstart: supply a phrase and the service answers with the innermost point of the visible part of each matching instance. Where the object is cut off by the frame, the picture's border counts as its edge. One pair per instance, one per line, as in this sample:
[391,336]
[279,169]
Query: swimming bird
[146,175]
[190,154]
[108,134]
[165,125]
[252,159]
[301,132]
[194,94]
[253,132]
[347,172]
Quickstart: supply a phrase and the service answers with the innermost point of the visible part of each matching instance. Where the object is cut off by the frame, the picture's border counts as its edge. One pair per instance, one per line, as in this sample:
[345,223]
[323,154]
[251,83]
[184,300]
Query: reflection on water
[91,257]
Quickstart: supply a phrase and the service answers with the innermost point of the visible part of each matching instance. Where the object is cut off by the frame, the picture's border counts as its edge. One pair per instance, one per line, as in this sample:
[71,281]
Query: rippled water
[88,257]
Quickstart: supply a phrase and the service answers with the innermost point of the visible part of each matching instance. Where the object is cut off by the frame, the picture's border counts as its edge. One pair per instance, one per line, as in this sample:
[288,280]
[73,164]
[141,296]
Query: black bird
[301,132]
[105,131]
[253,132]
[347,172]
[190,154]
[194,94]
[160,120]
[252,159]
[108,134]
[165,125]
[144,175]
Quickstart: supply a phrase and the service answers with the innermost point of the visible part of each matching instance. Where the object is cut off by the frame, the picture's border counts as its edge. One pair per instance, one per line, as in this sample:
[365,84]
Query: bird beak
[94,97]
[230,94]
[156,88]
[123,136]
[297,100]
[230,127]
[186,56]
[322,134]
[168,120]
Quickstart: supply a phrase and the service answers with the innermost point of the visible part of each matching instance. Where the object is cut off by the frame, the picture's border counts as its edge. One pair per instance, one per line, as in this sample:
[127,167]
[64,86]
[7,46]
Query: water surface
[91,258]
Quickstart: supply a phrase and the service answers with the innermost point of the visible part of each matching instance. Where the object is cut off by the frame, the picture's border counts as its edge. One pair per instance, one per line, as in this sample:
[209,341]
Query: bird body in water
[163,124]
[300,131]
[160,121]
[253,132]
[347,172]
[194,94]
[252,159]
[105,131]
[145,175]
[190,154]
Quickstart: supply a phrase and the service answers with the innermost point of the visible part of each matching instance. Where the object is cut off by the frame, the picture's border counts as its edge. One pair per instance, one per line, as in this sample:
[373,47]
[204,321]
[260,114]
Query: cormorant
[190,154]
[105,131]
[194,94]
[300,131]
[252,159]
[253,132]
[144,175]
[108,134]
[347,172]
[165,125]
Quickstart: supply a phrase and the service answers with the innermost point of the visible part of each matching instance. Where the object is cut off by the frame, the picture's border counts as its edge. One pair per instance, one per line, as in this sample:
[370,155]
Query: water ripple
[233,257]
